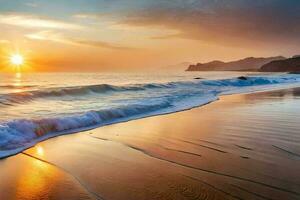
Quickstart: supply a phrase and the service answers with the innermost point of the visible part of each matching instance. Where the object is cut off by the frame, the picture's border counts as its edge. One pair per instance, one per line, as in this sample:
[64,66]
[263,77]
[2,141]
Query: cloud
[243,22]
[47,36]
[101,44]
[4,42]
[86,16]
[60,38]
[31,4]
[169,36]
[31,21]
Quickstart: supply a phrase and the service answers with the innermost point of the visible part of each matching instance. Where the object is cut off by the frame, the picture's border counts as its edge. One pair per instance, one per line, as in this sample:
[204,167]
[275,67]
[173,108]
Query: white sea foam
[139,100]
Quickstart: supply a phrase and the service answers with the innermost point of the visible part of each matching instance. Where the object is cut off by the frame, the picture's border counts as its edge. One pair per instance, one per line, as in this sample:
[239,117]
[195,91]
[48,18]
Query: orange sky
[100,36]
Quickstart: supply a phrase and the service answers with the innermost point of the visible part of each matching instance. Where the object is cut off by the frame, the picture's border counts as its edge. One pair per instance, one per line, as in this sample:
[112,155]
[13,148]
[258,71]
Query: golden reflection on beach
[40,151]
[32,184]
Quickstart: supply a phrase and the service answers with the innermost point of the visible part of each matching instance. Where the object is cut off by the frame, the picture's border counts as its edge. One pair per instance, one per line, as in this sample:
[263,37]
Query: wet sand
[240,147]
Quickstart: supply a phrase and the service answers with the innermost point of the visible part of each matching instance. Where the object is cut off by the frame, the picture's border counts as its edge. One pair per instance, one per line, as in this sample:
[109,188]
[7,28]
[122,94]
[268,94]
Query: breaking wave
[22,97]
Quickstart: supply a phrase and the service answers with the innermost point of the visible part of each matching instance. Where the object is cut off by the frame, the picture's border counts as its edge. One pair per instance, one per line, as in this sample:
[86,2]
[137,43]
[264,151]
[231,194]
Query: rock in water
[243,78]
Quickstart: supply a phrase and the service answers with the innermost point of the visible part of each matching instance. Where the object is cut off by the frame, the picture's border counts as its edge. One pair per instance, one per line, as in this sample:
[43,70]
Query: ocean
[38,106]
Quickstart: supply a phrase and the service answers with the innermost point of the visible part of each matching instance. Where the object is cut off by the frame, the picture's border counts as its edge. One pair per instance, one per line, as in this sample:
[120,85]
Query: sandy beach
[240,147]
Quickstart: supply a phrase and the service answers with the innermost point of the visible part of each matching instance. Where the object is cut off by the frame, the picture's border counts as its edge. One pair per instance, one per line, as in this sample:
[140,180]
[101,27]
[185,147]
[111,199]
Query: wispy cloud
[243,23]
[31,21]
[4,41]
[31,4]
[169,36]
[60,38]
[47,36]
[101,44]
[86,16]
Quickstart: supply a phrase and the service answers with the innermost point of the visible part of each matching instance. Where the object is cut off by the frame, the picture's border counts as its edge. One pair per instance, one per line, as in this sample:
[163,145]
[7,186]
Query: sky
[143,35]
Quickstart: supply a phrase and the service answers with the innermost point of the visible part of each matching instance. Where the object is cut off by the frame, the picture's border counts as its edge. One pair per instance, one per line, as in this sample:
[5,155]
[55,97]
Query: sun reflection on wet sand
[33,184]
[40,150]
[34,179]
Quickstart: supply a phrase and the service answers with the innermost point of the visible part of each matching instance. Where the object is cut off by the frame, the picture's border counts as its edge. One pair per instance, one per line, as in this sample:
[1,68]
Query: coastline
[229,149]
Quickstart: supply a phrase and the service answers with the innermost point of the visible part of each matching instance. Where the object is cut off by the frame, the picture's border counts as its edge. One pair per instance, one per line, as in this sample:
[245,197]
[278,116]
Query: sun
[17,59]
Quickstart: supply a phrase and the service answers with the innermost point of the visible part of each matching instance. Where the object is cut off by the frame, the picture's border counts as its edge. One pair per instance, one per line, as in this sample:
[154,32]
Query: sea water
[34,107]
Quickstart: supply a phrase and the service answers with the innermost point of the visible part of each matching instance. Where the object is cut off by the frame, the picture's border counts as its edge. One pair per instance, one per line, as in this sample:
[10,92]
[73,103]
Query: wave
[16,135]
[17,86]
[27,96]
[23,97]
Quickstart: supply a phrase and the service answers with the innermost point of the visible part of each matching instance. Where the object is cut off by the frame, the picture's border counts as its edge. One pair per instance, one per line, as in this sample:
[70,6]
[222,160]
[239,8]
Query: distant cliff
[247,64]
[286,65]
